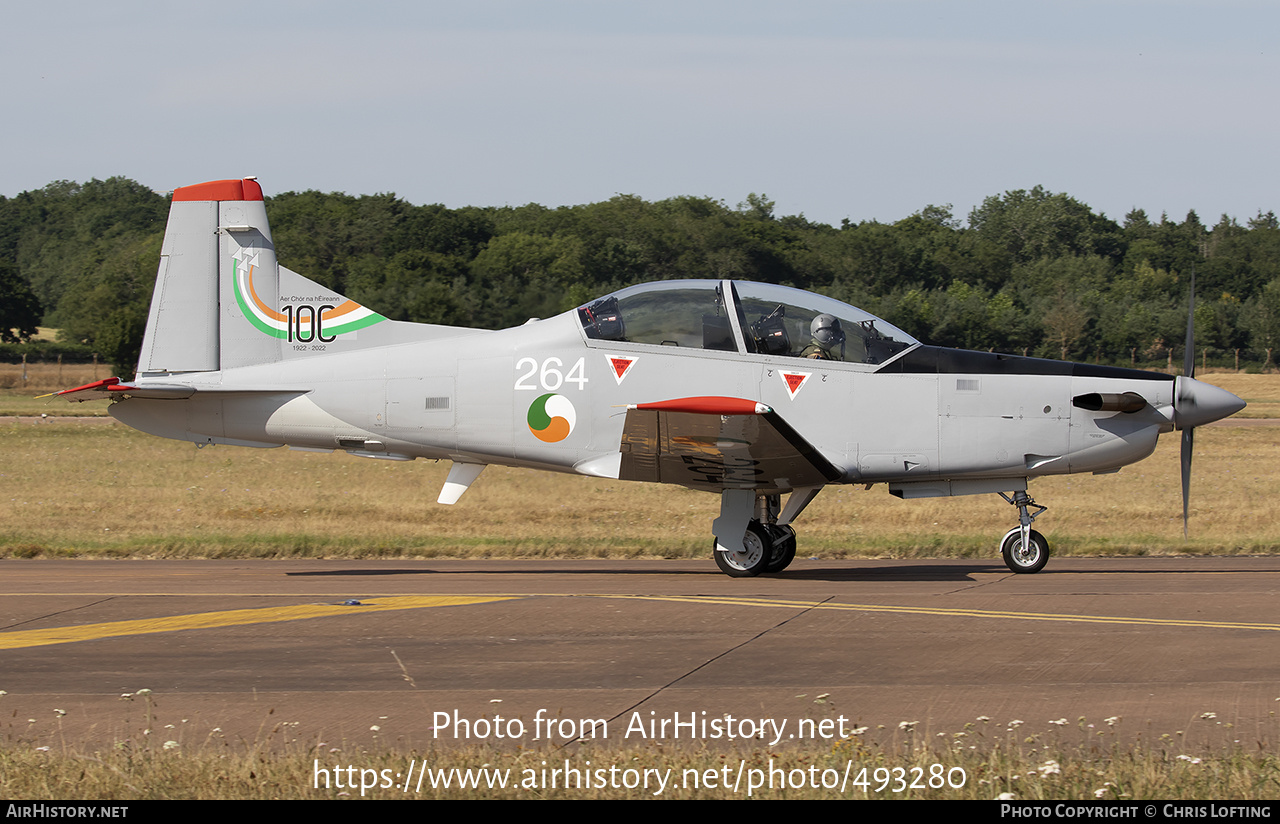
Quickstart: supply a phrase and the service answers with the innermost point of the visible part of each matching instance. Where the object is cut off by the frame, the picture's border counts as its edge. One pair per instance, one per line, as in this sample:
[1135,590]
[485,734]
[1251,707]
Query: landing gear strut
[765,546]
[1024,550]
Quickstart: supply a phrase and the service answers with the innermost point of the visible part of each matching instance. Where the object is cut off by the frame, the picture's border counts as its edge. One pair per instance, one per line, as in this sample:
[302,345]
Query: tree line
[1028,271]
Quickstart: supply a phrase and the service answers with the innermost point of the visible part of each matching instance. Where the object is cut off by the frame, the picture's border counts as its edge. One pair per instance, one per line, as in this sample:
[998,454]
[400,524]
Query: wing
[717,443]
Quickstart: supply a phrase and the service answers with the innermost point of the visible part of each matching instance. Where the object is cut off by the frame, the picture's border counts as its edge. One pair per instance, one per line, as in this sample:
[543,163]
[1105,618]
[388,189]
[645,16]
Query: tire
[1019,561]
[784,548]
[751,558]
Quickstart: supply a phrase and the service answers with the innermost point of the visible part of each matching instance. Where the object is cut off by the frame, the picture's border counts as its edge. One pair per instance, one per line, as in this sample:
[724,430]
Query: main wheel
[784,548]
[751,558]
[1024,559]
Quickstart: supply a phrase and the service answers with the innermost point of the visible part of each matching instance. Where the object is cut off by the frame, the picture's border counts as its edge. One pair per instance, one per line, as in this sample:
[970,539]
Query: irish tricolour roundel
[551,418]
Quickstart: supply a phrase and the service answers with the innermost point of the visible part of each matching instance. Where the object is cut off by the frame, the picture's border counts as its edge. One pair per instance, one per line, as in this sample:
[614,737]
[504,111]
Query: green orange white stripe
[347,316]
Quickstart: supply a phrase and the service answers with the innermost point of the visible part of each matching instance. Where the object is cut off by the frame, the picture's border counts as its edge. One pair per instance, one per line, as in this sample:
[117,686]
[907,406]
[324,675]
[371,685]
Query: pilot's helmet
[826,331]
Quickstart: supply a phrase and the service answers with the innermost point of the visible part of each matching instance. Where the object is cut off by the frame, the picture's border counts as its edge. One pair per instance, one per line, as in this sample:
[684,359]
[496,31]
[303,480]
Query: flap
[717,444]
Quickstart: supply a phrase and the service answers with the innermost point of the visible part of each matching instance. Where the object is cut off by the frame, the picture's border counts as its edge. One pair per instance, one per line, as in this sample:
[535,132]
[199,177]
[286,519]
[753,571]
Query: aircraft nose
[1198,403]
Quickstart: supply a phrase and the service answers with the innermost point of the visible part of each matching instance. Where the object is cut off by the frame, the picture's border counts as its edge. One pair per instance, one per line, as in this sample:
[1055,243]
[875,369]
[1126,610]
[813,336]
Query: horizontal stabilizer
[96,391]
[114,388]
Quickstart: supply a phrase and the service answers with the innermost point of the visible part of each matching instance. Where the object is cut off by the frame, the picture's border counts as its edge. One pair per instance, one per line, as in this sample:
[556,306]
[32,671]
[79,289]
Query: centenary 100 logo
[304,320]
[551,417]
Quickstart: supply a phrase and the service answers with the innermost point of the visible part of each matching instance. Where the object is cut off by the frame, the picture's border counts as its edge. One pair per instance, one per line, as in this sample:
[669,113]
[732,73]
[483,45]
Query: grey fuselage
[467,398]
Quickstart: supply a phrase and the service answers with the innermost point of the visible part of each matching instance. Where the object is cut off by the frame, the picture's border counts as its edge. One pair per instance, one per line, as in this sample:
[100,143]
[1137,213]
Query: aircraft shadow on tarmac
[890,571]
[941,572]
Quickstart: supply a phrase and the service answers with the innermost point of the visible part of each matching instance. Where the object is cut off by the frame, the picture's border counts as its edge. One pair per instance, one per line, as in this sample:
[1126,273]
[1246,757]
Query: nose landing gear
[1024,550]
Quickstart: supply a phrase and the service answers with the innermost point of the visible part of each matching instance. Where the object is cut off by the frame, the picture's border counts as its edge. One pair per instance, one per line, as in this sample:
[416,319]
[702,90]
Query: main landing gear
[765,548]
[1024,550]
[765,545]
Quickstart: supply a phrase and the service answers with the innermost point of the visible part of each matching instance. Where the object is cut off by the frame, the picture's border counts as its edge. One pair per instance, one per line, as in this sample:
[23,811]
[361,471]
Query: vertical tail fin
[221,300]
[217,247]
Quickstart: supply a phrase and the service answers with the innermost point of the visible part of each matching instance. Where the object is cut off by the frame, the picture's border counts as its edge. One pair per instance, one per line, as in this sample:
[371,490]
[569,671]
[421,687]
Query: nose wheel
[1024,550]
[1024,556]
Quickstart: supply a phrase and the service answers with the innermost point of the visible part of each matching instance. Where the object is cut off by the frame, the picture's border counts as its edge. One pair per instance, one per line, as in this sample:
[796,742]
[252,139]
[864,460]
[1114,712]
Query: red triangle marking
[620,365]
[793,381]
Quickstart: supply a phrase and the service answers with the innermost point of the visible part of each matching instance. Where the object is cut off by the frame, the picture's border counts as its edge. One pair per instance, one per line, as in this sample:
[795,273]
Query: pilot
[827,334]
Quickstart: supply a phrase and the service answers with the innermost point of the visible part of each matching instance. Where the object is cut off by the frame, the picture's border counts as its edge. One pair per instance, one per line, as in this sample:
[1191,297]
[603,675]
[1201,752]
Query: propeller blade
[1194,404]
[1188,434]
[1189,360]
[1188,443]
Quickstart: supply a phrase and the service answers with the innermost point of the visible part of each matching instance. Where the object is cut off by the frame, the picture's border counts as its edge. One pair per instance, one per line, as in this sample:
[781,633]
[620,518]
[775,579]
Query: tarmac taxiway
[383,652]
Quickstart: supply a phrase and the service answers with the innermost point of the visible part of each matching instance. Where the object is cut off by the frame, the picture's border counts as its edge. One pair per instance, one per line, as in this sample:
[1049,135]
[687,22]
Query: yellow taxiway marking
[954,613]
[232,618]
[266,615]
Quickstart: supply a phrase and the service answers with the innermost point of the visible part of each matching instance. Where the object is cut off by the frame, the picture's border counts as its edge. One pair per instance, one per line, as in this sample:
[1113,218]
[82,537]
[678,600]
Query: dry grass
[985,760]
[19,386]
[37,378]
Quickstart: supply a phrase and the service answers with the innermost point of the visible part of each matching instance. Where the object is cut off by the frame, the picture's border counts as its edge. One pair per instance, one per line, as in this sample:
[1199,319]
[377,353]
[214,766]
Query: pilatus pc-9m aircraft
[747,390]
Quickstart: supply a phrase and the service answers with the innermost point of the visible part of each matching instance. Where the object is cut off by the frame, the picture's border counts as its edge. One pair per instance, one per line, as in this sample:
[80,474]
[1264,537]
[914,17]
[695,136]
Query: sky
[835,110]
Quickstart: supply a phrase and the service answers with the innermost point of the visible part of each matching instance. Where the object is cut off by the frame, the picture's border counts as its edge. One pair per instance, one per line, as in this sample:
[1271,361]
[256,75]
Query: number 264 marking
[549,376]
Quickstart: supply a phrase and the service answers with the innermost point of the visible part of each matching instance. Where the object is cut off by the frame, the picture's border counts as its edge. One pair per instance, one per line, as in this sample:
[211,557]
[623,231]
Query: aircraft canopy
[755,318]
